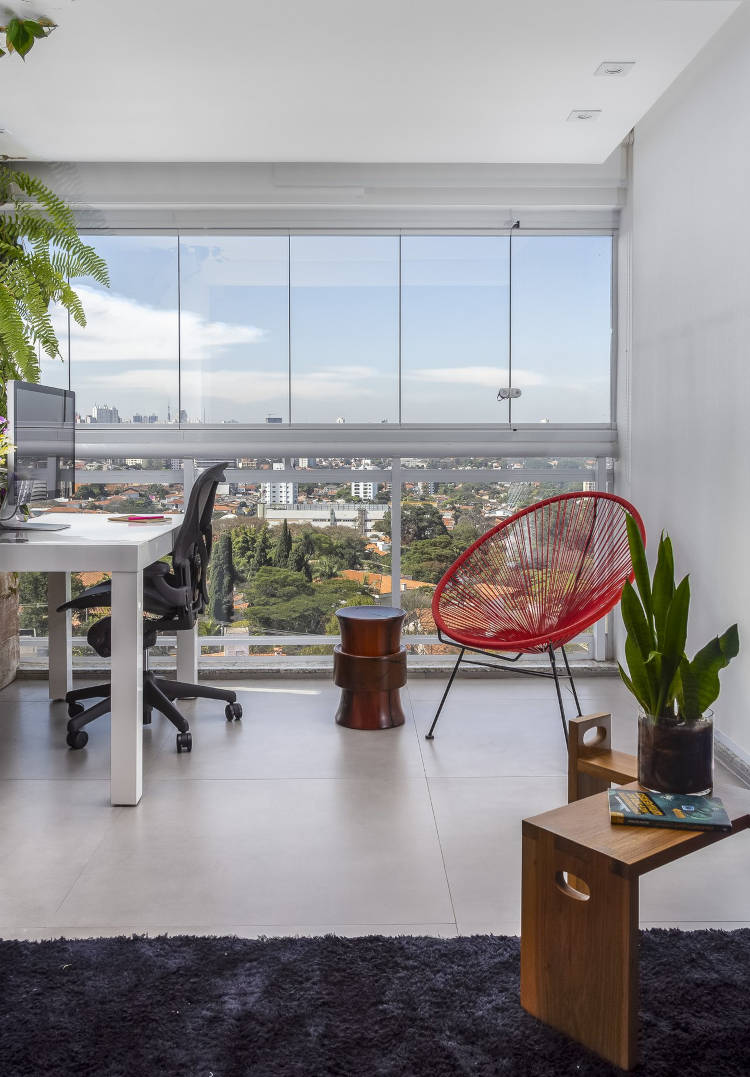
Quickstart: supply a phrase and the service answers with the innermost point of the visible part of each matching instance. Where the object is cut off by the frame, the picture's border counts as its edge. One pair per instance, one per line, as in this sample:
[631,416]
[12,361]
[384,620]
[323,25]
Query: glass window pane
[454,328]
[56,372]
[344,329]
[234,321]
[123,364]
[562,328]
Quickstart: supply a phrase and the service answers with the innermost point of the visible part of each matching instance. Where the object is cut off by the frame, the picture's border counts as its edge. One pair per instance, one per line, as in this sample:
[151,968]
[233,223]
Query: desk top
[633,850]
[92,542]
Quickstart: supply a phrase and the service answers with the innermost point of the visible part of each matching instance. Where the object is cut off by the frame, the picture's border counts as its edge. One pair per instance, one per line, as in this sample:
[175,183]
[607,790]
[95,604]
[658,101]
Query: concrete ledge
[321,666]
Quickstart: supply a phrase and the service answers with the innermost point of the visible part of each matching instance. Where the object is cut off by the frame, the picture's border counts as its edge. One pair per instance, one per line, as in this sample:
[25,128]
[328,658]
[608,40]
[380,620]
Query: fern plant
[40,252]
[665,682]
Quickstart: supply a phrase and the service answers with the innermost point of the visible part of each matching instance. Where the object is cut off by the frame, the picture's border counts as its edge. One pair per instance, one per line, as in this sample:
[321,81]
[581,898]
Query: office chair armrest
[179,598]
[159,568]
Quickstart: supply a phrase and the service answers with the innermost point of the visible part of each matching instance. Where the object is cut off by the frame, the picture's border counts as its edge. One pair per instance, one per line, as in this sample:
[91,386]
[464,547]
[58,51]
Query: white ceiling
[343,80]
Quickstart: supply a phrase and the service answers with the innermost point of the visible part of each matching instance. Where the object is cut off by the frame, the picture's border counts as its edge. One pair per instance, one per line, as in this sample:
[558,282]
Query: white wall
[684,387]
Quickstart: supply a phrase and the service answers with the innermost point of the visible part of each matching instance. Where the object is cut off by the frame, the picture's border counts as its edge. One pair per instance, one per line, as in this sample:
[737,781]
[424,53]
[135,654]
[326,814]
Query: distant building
[279,493]
[426,489]
[138,418]
[274,419]
[363,518]
[153,418]
[103,413]
[365,490]
[183,416]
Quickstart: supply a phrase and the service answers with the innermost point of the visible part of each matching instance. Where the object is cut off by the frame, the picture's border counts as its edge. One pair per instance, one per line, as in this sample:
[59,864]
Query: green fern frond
[40,253]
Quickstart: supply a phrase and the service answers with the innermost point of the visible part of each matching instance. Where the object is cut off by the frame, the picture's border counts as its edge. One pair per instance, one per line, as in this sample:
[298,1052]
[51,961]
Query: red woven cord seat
[538,579]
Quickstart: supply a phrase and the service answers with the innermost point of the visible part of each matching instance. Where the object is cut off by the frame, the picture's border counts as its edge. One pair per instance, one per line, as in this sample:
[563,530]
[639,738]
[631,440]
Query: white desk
[93,543]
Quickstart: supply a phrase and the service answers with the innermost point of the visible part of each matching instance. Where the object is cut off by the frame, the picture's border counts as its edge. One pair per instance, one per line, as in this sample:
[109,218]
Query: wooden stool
[369,665]
[579,900]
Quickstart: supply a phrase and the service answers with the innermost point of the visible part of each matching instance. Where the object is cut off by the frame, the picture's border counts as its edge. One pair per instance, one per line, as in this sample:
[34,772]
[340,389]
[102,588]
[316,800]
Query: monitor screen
[41,425]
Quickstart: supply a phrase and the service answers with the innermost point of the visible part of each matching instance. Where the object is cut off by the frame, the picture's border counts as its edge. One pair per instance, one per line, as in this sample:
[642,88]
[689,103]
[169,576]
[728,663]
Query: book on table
[640,807]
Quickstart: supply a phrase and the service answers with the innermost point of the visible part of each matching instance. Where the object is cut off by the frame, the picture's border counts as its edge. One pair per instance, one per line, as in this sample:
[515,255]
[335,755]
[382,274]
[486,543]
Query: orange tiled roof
[378,581]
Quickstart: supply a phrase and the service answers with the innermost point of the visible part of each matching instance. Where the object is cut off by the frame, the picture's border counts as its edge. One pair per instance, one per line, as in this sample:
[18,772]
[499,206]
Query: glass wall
[562,328]
[454,328]
[344,329]
[124,365]
[234,328]
[329,328]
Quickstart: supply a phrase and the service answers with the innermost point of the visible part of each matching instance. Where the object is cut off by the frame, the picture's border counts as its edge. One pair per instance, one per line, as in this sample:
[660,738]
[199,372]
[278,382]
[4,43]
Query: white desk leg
[188,649]
[59,632]
[126,766]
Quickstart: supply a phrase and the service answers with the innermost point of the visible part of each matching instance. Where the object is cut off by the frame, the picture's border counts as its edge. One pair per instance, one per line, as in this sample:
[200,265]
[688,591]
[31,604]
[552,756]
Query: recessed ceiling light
[579,115]
[615,68]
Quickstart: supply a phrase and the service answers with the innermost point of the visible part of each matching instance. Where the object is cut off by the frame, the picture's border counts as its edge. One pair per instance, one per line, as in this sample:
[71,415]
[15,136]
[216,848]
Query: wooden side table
[369,665]
[579,913]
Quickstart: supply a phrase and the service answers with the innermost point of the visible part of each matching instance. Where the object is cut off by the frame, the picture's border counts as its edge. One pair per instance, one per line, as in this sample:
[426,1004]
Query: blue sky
[232,340]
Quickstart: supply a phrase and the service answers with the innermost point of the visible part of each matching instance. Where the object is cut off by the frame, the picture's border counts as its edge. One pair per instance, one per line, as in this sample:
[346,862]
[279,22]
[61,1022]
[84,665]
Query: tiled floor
[284,823]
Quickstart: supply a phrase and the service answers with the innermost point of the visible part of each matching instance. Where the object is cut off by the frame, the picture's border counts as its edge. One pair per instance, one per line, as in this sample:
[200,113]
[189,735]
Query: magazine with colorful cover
[637,807]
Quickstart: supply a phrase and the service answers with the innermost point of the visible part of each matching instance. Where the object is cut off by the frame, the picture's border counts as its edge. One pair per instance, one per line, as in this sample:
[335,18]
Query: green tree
[328,567]
[297,560]
[283,546]
[262,554]
[40,253]
[283,601]
[243,550]
[221,580]
[429,559]
[418,521]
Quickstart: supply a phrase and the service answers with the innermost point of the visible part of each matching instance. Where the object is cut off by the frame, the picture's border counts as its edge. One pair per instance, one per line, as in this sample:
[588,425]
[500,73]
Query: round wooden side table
[369,666]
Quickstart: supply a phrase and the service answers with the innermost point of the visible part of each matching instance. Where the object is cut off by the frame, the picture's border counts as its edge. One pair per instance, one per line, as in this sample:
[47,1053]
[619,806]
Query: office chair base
[158,693]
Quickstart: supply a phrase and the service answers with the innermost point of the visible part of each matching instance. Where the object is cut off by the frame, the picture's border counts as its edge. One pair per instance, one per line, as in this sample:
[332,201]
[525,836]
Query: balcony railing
[109,445]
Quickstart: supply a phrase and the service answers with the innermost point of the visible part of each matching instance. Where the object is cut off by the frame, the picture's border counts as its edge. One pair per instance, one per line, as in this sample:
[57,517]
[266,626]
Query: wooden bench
[579,899]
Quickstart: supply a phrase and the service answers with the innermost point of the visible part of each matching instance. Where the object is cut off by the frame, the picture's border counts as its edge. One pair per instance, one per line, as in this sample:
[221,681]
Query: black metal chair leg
[96,691]
[572,682]
[553,664]
[156,698]
[76,724]
[181,690]
[430,735]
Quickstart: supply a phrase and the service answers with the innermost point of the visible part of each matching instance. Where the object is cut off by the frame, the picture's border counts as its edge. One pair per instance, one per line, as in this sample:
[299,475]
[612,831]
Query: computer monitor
[41,466]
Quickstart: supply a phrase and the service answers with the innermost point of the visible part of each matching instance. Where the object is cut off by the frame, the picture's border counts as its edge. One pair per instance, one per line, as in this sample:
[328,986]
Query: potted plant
[675,726]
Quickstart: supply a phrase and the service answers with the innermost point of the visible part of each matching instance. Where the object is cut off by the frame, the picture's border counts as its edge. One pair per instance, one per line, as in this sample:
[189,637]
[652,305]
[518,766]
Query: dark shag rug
[367,1007]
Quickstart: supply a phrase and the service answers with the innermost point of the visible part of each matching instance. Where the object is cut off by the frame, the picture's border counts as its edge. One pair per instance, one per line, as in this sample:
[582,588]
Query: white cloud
[120,329]
[485,376]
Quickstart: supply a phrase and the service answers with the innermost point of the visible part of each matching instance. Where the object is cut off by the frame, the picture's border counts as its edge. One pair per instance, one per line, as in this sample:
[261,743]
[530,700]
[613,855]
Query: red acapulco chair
[534,582]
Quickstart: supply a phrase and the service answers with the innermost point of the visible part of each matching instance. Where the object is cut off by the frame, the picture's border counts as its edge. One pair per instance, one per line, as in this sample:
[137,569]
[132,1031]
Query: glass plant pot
[675,756]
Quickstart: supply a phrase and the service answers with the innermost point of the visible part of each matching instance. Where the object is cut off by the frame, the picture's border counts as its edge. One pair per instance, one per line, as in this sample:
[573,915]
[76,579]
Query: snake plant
[665,682]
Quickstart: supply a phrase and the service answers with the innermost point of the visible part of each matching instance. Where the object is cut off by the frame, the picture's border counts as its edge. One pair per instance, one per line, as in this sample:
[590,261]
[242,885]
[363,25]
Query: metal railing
[108,444]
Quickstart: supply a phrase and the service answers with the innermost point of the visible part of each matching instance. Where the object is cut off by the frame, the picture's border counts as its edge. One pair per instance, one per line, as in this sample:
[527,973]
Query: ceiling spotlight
[580,114]
[616,68]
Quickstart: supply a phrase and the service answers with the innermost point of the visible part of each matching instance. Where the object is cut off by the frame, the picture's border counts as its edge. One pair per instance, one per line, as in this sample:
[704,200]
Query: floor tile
[286,734]
[50,829]
[479,825]
[265,852]
[710,884]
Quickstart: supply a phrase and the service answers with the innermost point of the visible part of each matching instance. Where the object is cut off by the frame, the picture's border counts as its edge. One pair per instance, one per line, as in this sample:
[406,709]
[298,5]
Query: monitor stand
[18,522]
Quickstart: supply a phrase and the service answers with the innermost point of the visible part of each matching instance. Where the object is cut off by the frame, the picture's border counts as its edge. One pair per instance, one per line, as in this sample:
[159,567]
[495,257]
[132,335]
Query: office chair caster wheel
[74,709]
[233,710]
[79,739]
[184,742]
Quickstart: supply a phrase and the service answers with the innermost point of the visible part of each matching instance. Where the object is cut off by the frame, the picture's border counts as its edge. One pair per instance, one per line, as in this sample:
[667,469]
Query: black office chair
[174,596]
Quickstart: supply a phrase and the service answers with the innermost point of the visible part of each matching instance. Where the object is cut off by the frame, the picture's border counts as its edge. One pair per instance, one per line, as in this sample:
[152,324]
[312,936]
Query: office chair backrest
[193,544]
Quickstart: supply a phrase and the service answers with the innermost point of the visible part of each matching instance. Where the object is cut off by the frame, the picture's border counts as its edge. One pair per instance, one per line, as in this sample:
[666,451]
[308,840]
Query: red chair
[534,582]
